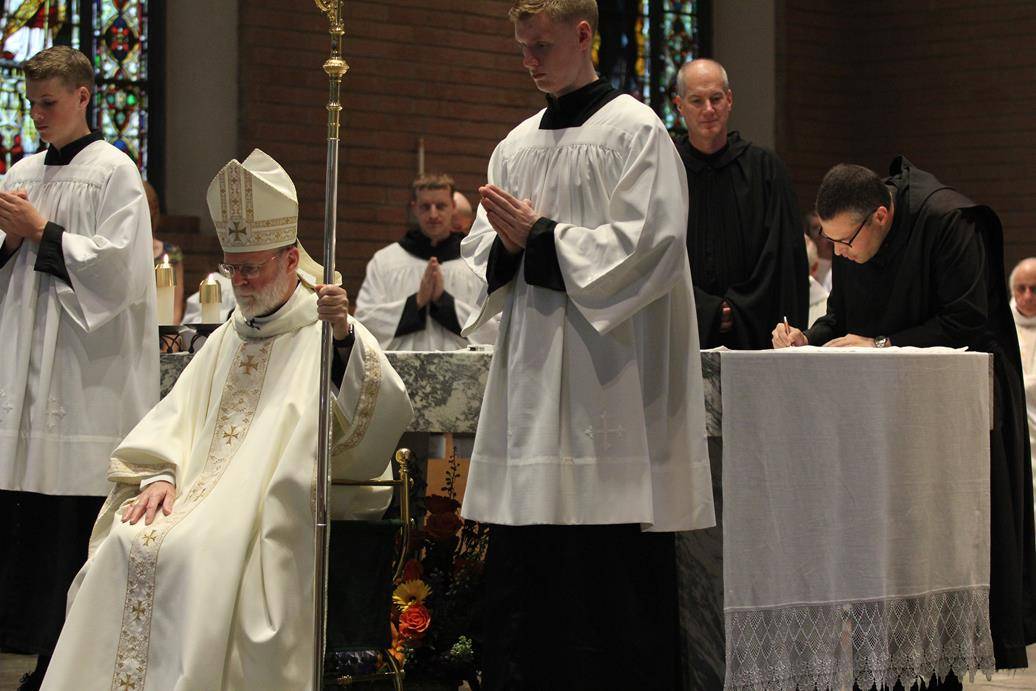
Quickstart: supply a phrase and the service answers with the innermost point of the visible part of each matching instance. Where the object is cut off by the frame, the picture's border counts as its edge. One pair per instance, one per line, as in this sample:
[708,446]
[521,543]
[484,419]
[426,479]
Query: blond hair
[61,62]
[557,10]
[432,181]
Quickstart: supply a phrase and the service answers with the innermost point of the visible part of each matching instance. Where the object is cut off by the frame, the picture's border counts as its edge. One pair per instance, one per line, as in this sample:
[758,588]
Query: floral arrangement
[437,613]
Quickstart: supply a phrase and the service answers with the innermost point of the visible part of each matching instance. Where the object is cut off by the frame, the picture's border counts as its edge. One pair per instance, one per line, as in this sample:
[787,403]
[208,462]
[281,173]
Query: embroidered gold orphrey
[367,403]
[237,407]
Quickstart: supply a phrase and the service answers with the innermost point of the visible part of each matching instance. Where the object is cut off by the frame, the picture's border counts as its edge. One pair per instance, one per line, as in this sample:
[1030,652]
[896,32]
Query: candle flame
[165,258]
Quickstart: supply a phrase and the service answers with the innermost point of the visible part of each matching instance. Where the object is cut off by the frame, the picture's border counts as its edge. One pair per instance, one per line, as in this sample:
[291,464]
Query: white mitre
[254,207]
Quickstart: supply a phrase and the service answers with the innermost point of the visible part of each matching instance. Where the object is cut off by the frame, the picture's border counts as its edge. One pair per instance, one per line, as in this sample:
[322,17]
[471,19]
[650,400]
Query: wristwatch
[881,341]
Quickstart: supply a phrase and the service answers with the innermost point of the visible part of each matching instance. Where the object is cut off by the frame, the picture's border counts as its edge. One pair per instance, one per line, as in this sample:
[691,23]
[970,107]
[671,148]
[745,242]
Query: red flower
[442,526]
[414,621]
[439,504]
[412,571]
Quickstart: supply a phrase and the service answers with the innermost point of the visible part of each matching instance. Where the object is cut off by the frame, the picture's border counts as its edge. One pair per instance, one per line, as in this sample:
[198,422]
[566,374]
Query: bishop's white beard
[265,300]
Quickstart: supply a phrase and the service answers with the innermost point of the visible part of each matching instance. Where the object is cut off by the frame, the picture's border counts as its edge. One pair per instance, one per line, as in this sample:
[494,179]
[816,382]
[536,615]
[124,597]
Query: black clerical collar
[698,161]
[576,107]
[62,157]
[417,243]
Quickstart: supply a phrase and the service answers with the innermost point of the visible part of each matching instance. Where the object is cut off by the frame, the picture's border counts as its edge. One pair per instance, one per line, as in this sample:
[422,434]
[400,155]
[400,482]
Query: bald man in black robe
[744,233]
[919,264]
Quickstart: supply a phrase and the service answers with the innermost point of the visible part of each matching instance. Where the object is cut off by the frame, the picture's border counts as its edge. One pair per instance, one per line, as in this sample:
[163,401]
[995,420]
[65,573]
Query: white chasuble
[392,276]
[80,361]
[594,408]
[218,595]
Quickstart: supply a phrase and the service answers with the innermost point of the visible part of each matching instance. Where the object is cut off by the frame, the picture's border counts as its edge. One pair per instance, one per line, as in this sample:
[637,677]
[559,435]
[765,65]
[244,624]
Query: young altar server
[79,338]
[213,588]
[591,446]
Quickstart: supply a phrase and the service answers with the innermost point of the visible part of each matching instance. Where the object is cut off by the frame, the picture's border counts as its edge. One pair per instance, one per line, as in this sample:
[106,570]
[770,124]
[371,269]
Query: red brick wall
[815,90]
[949,83]
[445,70]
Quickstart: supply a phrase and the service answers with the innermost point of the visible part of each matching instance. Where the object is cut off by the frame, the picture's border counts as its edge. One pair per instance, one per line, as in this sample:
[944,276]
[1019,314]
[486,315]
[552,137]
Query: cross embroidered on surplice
[5,407]
[604,432]
[55,412]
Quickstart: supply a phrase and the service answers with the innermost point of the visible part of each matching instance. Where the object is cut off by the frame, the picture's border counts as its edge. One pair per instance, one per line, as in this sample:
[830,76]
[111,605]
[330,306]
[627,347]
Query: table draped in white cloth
[856,516]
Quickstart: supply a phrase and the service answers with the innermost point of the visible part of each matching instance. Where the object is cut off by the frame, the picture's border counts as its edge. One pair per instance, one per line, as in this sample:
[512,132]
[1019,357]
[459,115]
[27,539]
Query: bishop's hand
[511,218]
[19,218]
[333,307]
[157,495]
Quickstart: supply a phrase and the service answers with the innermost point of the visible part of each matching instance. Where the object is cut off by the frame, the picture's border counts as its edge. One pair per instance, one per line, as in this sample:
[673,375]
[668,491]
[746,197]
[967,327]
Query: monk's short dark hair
[851,188]
[432,181]
[67,64]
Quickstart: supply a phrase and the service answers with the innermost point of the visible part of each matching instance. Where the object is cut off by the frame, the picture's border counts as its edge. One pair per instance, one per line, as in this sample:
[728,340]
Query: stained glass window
[114,33]
[119,45]
[643,43]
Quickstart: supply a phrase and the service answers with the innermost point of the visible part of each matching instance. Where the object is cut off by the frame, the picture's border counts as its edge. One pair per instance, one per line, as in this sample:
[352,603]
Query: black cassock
[745,244]
[938,280]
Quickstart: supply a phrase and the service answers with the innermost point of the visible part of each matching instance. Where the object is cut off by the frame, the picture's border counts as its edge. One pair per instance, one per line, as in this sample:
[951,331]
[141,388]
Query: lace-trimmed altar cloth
[856,512]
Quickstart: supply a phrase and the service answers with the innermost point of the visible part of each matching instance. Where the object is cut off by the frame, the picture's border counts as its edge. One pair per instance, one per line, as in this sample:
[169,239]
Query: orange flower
[397,645]
[414,621]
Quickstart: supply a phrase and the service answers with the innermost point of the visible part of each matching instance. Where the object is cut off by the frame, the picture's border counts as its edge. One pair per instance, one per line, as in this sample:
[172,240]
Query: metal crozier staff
[335,67]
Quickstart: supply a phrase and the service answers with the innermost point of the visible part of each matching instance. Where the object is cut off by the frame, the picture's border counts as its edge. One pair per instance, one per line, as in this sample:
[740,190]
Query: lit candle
[211,296]
[165,282]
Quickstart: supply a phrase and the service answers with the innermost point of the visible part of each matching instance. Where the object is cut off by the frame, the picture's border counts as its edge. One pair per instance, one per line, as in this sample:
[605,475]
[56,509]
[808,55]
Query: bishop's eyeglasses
[849,242]
[244,270]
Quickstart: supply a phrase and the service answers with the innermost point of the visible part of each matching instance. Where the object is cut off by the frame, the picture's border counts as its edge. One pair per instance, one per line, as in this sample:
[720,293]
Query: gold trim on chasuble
[237,407]
[365,406]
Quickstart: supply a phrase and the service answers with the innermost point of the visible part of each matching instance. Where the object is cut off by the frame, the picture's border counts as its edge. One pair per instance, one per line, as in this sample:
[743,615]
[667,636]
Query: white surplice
[80,361]
[218,595]
[392,276]
[594,410]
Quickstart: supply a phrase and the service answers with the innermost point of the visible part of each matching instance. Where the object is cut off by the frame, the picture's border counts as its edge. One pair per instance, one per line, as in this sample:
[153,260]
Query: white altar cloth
[856,516]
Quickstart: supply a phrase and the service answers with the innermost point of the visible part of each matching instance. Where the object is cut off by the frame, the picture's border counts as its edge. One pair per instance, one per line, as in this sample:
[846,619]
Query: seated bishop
[201,563]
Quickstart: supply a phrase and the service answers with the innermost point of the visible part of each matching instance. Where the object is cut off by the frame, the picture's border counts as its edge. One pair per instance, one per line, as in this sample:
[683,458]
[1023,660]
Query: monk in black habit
[744,233]
[919,264]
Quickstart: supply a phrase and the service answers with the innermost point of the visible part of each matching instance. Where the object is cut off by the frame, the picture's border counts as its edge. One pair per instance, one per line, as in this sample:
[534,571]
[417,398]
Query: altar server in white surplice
[591,444]
[213,588]
[78,345]
[418,292]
